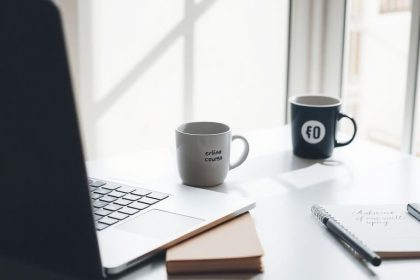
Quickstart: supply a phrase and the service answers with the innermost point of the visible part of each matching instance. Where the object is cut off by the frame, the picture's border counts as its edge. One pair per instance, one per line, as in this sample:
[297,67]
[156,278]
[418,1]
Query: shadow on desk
[281,170]
[154,268]
[11,269]
[232,276]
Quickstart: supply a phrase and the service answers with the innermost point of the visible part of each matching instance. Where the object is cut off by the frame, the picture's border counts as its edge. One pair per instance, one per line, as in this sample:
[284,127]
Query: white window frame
[316,56]
[409,126]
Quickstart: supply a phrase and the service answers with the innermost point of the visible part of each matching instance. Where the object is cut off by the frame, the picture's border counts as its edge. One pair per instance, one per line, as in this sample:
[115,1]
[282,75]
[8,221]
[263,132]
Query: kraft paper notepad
[386,229]
[230,247]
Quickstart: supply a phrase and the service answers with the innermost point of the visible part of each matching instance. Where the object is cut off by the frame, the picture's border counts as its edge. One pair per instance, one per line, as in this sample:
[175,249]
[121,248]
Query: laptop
[53,215]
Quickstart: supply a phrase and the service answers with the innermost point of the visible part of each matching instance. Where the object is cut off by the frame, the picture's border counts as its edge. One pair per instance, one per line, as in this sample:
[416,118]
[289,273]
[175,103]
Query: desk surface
[285,187]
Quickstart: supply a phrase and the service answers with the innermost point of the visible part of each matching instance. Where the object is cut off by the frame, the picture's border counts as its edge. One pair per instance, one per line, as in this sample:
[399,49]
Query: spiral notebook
[386,229]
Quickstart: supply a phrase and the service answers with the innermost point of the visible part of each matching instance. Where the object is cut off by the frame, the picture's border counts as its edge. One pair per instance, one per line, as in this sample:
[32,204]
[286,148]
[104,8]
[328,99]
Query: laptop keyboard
[114,202]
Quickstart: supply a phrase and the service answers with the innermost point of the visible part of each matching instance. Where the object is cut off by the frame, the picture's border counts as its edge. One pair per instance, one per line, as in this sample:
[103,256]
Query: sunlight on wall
[157,63]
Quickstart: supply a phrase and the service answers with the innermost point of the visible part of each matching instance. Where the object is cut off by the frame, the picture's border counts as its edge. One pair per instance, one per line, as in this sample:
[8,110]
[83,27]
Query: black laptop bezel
[45,200]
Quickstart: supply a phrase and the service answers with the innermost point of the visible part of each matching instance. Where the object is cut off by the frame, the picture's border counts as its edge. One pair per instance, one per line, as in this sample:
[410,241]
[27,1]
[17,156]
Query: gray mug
[203,153]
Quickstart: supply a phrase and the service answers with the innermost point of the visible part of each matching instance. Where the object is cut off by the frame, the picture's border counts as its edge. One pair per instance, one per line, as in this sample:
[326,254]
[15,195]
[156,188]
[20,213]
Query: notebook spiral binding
[321,214]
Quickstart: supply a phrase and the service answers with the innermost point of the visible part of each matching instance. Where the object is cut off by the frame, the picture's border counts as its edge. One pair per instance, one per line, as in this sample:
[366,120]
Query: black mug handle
[340,116]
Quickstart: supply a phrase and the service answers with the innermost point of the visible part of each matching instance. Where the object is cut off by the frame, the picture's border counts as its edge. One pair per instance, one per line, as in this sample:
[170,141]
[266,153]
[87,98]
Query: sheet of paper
[314,174]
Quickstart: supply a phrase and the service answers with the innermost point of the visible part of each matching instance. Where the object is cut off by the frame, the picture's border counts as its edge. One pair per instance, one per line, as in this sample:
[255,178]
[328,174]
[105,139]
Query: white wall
[147,66]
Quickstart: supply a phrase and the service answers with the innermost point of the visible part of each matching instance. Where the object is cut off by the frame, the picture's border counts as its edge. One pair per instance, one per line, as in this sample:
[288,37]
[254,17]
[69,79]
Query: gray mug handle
[244,154]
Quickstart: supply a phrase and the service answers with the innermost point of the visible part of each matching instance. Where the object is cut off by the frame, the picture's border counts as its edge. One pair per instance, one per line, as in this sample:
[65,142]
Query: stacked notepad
[230,247]
[386,229]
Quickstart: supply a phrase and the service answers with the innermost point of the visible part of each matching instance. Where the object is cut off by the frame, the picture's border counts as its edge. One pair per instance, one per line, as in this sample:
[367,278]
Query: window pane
[374,91]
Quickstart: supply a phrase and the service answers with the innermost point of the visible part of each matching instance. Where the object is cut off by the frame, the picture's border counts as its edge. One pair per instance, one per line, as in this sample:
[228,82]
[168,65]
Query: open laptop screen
[45,203]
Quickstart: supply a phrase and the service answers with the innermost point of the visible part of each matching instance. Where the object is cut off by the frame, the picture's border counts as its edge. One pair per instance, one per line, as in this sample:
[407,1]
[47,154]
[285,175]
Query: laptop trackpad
[159,224]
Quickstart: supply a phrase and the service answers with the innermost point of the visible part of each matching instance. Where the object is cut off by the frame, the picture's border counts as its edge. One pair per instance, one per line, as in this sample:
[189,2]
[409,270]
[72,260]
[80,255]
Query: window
[146,66]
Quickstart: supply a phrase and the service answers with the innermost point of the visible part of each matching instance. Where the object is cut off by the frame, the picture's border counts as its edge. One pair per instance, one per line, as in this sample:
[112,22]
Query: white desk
[296,245]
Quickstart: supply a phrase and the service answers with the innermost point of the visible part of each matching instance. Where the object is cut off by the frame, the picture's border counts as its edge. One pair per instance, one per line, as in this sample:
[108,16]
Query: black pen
[343,234]
[414,210]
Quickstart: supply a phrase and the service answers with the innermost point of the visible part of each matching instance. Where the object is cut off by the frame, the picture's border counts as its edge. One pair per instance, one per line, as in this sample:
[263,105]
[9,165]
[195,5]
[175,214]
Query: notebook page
[383,228]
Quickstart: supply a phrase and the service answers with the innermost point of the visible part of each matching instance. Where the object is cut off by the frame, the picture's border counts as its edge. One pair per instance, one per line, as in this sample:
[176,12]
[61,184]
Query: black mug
[314,123]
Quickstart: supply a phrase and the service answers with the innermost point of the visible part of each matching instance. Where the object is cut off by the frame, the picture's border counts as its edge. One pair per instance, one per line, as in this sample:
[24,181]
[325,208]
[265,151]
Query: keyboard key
[132,197]
[90,181]
[95,195]
[102,212]
[111,186]
[113,207]
[92,189]
[100,226]
[157,195]
[148,200]
[139,205]
[118,216]
[97,217]
[117,194]
[108,198]
[128,210]
[108,221]
[123,201]
[141,192]
[102,191]
[97,184]
[126,189]
[99,204]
